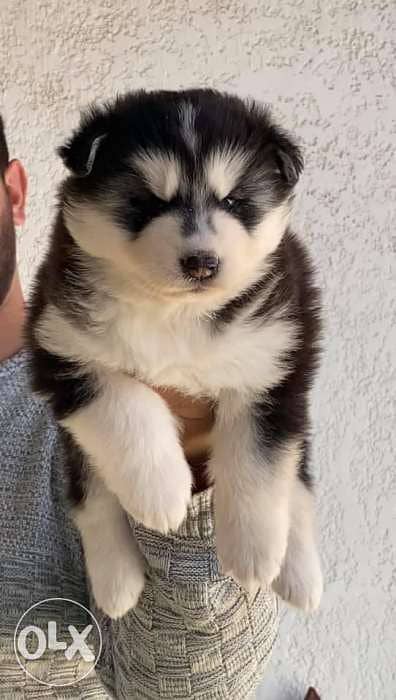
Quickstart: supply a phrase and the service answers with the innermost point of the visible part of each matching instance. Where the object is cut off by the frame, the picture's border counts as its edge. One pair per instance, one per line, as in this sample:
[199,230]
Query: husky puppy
[172,265]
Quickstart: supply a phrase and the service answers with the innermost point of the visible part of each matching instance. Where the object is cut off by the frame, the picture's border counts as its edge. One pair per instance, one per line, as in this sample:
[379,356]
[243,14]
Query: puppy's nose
[201,265]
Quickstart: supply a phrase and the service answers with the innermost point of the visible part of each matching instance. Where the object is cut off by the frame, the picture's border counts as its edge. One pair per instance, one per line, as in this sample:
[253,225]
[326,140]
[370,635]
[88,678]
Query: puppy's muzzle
[200,265]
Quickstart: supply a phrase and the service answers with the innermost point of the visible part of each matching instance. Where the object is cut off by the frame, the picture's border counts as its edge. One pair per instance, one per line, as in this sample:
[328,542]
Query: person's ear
[15,179]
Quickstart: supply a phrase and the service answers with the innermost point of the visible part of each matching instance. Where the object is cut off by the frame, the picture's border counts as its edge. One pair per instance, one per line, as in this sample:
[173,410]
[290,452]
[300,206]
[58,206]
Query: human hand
[196,418]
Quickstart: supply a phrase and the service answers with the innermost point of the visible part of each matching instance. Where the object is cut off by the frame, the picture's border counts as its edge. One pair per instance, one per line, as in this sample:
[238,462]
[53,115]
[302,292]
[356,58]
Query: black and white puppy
[171,264]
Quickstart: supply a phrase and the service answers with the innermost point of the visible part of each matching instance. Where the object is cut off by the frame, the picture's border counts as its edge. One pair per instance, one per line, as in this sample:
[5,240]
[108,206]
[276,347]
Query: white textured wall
[327,67]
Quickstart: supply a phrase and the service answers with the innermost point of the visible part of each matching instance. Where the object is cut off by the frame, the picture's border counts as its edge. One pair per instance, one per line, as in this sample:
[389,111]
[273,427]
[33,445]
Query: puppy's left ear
[289,160]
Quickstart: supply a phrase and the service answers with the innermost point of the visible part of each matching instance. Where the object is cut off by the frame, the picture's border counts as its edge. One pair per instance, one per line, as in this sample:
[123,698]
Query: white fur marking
[161,172]
[269,232]
[187,122]
[174,351]
[97,234]
[223,169]
[92,154]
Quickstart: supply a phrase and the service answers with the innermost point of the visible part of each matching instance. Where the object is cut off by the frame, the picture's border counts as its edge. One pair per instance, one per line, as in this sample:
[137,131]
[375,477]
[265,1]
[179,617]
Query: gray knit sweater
[194,634]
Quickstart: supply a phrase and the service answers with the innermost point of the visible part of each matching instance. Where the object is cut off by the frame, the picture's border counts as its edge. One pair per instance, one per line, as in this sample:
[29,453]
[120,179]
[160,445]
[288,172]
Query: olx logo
[78,644]
[48,633]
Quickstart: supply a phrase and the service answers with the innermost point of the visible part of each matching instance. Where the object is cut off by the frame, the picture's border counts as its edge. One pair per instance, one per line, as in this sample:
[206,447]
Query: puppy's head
[186,193]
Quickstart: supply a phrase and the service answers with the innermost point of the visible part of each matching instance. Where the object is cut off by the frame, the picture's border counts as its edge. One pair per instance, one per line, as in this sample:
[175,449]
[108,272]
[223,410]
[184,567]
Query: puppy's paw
[160,502]
[300,582]
[251,545]
[117,582]
[117,586]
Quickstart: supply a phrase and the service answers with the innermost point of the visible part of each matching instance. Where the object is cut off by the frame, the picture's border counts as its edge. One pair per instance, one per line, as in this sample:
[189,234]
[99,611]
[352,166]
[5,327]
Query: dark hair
[4,155]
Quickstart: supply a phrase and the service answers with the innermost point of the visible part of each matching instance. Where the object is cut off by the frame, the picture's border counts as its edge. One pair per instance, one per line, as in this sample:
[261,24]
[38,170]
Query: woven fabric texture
[194,633]
[40,553]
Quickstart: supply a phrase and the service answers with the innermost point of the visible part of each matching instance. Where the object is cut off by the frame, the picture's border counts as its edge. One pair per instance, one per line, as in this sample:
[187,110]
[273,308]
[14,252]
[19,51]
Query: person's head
[12,211]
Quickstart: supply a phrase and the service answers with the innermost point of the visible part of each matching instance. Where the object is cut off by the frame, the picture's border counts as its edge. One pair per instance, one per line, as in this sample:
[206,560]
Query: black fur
[67,386]
[62,283]
[227,313]
[64,279]
[77,468]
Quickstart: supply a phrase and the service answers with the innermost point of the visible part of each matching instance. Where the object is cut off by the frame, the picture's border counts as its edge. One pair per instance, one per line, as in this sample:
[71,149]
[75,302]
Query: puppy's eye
[229,203]
[233,204]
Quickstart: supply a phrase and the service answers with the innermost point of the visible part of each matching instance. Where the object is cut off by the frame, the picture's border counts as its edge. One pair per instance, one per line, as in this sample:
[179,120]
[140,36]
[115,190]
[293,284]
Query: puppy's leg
[300,580]
[131,439]
[114,563]
[253,483]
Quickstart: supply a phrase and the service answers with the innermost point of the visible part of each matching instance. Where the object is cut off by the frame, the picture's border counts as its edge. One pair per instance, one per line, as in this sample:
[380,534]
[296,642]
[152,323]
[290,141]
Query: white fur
[223,169]
[96,234]
[161,171]
[131,438]
[300,582]
[114,563]
[251,498]
[187,123]
[174,351]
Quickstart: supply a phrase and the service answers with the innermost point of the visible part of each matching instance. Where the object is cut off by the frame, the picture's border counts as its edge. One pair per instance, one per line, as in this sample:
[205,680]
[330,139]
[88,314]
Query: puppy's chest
[174,354]
[192,357]
[165,360]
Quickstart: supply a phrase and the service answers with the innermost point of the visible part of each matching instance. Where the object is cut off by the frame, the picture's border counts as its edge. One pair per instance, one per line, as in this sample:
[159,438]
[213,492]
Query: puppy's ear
[289,161]
[80,152]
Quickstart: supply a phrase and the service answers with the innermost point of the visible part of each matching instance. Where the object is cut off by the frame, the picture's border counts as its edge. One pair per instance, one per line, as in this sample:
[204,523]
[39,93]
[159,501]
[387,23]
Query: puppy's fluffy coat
[171,264]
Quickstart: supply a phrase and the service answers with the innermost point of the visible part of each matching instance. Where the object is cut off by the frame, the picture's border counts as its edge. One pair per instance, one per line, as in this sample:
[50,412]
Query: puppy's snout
[200,265]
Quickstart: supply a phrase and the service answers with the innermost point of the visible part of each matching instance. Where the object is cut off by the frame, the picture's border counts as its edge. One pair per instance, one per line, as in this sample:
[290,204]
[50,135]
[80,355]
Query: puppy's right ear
[80,152]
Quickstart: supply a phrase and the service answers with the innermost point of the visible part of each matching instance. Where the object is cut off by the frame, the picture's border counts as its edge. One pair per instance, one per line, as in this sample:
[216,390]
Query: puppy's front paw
[251,544]
[160,501]
[300,582]
[117,582]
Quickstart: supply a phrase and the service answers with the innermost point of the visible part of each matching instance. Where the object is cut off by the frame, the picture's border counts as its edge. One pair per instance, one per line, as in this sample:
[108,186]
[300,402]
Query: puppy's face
[184,193]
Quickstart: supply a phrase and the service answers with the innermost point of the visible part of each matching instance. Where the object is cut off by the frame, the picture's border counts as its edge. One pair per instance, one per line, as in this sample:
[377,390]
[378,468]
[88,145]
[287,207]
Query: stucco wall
[327,67]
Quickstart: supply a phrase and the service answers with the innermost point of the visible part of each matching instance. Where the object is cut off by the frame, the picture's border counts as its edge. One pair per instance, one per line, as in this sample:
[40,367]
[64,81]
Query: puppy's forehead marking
[161,171]
[223,170]
[187,125]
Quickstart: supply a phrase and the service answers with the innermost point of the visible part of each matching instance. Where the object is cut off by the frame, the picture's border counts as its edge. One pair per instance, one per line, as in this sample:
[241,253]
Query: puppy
[172,265]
